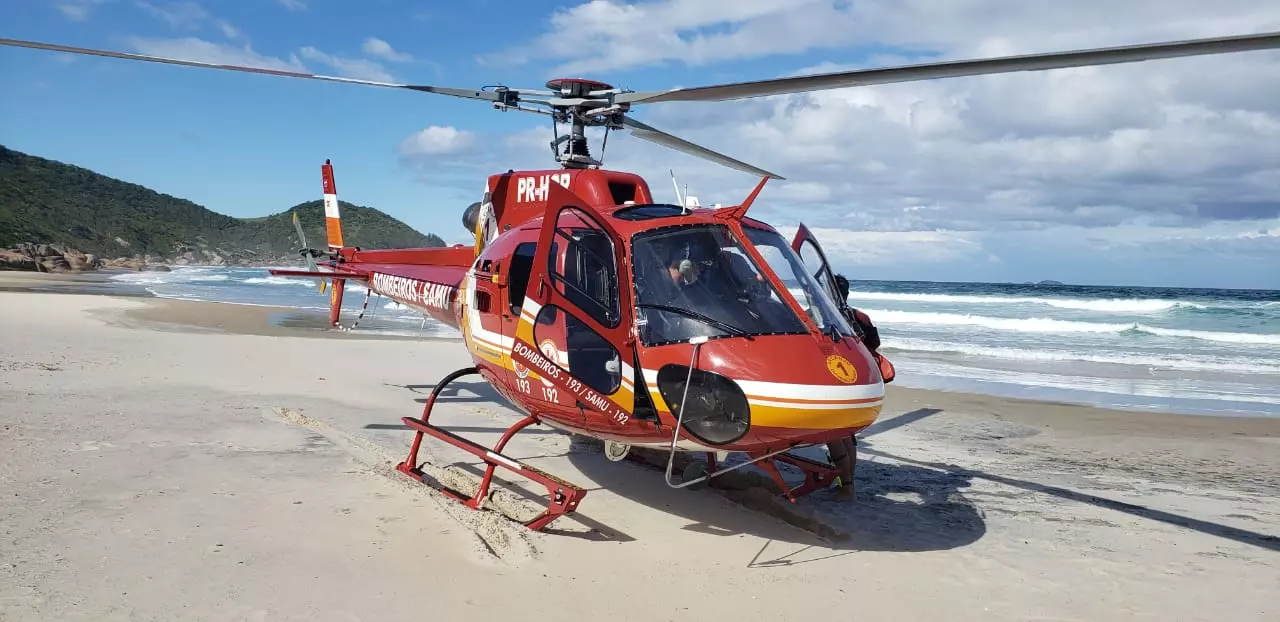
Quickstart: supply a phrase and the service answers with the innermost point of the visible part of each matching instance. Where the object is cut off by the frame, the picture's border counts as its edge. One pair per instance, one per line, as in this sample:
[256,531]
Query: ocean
[1202,351]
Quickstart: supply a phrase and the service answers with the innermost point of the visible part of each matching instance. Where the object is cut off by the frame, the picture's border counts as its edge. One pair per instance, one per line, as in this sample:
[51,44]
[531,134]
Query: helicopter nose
[811,389]
[780,388]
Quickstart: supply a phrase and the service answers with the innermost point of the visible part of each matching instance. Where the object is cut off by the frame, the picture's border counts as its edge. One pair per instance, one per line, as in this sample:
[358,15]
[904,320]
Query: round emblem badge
[521,370]
[549,350]
[842,369]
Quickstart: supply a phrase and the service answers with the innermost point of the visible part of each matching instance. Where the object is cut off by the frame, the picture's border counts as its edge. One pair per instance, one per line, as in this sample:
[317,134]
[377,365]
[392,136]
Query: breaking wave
[1104,305]
[1208,351]
[1049,325]
[1182,361]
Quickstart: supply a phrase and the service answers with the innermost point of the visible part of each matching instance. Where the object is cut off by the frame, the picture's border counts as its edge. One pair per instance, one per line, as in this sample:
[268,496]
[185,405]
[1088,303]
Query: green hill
[49,202]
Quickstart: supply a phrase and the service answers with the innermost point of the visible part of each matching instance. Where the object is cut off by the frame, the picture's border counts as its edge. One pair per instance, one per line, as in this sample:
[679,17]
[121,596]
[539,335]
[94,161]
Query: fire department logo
[549,350]
[842,369]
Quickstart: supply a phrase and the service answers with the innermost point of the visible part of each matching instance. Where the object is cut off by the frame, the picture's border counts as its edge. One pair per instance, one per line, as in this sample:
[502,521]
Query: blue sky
[1161,173]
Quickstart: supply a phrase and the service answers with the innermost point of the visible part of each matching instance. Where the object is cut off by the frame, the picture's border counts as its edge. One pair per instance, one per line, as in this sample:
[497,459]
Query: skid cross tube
[564,496]
[714,471]
[816,475]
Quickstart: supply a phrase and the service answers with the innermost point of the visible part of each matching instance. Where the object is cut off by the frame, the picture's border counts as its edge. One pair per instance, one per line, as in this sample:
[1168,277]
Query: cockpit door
[810,252]
[575,320]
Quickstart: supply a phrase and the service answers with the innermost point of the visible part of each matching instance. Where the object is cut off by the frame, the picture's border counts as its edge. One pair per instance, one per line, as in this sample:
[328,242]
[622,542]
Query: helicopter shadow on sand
[897,507]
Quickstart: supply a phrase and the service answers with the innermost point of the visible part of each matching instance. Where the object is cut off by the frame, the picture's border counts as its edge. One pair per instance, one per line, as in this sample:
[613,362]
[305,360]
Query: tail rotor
[307,252]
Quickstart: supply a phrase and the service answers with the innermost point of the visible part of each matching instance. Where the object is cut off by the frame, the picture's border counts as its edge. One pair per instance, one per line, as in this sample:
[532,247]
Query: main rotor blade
[956,69]
[467,93]
[655,135]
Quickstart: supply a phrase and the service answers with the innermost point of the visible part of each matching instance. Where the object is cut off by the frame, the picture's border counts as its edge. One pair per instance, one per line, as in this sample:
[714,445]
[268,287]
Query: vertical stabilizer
[333,230]
[332,218]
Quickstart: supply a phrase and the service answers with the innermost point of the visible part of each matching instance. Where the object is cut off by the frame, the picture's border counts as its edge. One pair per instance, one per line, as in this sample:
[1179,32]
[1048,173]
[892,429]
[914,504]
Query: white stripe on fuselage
[848,393]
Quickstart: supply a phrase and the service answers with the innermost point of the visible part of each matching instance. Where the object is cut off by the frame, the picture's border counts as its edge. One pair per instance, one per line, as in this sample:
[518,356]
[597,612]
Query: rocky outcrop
[14,260]
[58,258]
[136,264]
[47,258]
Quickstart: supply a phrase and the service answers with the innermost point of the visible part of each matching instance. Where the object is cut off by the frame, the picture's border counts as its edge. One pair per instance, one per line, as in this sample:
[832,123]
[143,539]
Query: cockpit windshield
[806,289]
[697,280]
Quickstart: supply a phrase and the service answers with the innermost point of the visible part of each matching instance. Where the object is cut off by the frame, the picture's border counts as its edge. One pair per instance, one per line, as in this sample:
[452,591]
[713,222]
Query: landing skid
[564,496]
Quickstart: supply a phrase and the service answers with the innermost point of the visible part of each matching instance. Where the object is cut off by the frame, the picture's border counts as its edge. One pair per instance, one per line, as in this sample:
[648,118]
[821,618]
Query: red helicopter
[598,310]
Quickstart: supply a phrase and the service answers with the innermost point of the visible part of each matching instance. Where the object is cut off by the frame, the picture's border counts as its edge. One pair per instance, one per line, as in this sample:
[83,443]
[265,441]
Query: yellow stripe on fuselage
[801,406]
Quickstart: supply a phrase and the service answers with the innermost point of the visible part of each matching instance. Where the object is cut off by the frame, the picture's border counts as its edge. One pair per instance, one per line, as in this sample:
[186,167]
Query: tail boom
[424,279]
[430,289]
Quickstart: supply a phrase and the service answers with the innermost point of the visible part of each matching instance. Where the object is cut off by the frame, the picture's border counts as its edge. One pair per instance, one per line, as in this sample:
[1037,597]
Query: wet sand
[182,460]
[97,282]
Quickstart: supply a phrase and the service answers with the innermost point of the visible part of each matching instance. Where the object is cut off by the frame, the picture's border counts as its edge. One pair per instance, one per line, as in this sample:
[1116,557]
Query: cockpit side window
[588,274]
[521,263]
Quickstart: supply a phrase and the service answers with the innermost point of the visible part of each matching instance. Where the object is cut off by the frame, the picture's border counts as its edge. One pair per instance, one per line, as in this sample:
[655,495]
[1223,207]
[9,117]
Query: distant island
[58,217]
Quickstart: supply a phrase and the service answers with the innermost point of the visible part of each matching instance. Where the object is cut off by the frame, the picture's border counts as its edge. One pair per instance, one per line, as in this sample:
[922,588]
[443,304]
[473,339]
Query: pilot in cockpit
[674,275]
[683,267]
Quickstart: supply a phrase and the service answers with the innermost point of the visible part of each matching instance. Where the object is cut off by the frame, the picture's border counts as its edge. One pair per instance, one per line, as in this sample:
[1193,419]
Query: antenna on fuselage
[676,185]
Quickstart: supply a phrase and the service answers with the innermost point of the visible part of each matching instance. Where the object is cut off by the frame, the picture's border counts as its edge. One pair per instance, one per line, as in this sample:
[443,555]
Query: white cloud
[616,35]
[1230,237]
[876,248]
[436,140]
[620,35]
[1003,164]
[374,46]
[189,15]
[186,15]
[1166,142]
[228,30]
[193,48]
[449,157]
[78,10]
[293,5]
[362,68]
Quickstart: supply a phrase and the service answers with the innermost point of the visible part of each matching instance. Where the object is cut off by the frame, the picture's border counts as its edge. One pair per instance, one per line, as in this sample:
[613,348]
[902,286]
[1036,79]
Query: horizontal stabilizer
[307,274]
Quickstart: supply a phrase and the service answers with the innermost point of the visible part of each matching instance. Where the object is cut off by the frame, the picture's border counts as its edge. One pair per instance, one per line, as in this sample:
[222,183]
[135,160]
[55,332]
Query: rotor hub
[580,115]
[576,87]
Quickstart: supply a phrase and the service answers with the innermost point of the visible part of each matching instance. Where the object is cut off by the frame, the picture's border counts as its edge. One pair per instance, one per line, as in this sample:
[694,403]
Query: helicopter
[600,311]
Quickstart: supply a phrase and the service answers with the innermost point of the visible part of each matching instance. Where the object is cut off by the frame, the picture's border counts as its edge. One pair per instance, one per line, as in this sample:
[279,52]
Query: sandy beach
[173,460]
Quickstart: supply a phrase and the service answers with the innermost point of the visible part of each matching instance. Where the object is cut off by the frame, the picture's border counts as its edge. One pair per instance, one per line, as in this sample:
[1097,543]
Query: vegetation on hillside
[49,202]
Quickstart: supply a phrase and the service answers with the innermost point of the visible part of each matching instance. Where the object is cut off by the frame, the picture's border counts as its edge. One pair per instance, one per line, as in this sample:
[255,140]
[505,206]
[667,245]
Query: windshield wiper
[833,332]
[729,328]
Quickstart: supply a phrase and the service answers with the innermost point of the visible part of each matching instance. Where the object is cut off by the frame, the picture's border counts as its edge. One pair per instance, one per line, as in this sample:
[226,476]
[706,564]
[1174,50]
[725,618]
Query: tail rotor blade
[306,250]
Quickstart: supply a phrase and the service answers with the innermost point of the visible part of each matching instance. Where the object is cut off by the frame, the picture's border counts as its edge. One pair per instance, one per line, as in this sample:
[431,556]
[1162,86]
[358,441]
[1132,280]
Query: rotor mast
[577,151]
